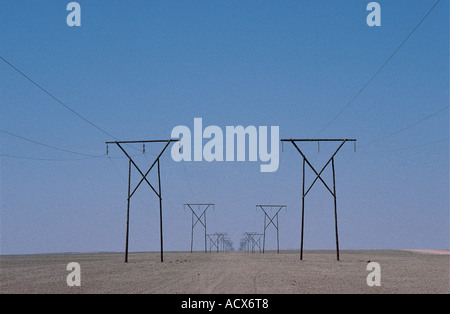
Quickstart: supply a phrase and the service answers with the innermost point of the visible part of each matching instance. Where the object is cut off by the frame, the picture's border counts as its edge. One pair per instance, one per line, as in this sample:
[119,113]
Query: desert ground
[234,272]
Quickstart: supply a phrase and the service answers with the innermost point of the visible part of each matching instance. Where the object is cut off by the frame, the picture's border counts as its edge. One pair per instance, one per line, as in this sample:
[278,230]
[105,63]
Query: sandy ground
[228,272]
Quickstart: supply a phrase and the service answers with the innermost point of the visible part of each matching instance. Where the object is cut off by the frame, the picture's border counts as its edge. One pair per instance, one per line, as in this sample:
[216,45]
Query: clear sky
[138,69]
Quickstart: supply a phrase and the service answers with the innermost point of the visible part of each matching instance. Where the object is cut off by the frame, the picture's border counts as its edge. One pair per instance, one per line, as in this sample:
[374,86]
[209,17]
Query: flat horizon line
[421,251]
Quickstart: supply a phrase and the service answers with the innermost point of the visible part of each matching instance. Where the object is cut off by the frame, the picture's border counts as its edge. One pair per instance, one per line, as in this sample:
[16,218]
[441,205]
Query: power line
[406,127]
[49,146]
[408,147]
[378,71]
[61,102]
[56,99]
[46,159]
[85,156]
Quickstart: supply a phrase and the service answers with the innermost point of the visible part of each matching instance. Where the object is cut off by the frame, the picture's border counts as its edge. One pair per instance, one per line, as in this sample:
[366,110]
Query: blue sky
[138,70]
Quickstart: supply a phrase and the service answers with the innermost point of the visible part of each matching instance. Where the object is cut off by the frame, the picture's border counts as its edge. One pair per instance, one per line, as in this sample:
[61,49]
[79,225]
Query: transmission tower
[332,191]
[270,221]
[252,240]
[144,178]
[198,219]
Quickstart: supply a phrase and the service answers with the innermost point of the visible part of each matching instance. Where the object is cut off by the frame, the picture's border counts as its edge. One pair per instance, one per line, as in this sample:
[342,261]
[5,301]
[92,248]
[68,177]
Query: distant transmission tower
[213,241]
[198,219]
[252,240]
[269,221]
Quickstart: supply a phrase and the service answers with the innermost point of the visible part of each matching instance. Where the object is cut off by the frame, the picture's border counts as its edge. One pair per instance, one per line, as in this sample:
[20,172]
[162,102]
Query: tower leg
[335,211]
[278,238]
[160,213]
[128,211]
[264,237]
[303,210]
